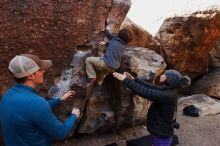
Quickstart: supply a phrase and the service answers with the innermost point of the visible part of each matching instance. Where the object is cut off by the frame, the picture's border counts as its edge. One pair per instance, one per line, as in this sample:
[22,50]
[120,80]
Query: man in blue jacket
[26,117]
[111,60]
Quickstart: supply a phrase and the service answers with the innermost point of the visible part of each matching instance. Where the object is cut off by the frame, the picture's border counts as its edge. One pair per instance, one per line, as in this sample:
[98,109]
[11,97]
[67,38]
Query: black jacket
[161,112]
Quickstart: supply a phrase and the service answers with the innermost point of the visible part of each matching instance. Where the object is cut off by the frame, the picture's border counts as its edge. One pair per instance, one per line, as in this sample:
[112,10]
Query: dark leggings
[158,141]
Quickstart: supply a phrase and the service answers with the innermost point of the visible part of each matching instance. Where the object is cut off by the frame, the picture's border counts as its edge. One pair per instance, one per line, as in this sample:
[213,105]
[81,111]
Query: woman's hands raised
[121,77]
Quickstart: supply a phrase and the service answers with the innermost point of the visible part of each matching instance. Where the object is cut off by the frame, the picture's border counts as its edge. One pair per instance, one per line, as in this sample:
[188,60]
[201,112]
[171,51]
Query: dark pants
[158,141]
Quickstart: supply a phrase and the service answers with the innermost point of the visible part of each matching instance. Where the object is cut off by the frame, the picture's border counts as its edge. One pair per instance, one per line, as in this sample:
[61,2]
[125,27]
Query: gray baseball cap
[26,64]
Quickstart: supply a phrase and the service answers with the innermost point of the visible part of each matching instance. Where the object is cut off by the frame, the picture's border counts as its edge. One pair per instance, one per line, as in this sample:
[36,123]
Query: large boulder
[54,30]
[187,40]
[111,105]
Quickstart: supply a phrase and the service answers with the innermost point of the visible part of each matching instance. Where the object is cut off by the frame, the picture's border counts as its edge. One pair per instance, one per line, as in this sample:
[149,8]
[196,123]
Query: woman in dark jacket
[162,110]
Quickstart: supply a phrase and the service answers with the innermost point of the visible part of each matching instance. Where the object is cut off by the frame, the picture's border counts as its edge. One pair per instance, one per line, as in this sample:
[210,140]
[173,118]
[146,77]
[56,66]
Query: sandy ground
[200,131]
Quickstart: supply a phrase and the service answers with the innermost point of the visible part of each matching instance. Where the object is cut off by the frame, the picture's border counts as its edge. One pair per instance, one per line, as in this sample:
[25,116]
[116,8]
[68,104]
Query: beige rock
[143,62]
[205,104]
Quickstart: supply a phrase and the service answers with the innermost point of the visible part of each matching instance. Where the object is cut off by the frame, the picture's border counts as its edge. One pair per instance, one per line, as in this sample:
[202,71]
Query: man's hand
[119,76]
[128,75]
[67,95]
[76,112]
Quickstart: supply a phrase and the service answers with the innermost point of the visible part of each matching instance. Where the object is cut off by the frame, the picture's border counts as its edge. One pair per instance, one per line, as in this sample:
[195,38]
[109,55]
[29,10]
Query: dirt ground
[199,131]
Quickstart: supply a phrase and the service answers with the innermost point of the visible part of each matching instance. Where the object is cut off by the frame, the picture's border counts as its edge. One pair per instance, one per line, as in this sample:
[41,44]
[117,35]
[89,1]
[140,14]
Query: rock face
[54,30]
[215,56]
[209,85]
[186,41]
[116,13]
[110,106]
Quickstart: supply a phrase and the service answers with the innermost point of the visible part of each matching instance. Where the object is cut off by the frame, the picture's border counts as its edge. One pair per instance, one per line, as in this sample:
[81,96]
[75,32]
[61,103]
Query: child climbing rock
[111,60]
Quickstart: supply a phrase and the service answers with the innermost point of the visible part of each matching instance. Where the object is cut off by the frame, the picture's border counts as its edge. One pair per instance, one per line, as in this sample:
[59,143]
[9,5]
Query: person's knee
[88,60]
